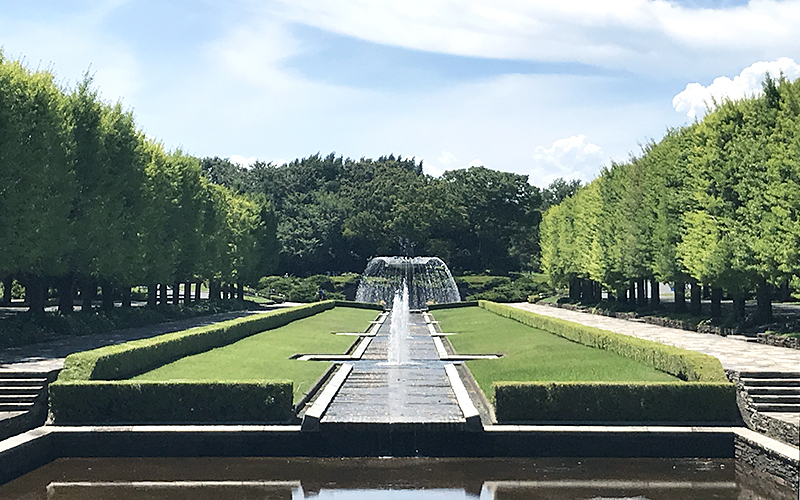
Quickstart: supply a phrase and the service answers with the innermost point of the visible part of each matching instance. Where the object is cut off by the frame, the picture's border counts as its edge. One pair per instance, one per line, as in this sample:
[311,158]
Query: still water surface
[384,479]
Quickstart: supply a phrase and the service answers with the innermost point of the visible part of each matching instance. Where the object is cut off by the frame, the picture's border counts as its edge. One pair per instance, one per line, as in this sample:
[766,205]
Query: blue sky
[541,88]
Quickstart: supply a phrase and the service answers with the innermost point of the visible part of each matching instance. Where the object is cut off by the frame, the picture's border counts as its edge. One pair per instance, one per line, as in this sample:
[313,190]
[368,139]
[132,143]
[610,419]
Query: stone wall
[772,427]
[763,473]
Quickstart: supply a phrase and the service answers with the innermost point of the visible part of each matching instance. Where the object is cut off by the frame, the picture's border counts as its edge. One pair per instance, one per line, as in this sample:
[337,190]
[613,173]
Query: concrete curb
[314,414]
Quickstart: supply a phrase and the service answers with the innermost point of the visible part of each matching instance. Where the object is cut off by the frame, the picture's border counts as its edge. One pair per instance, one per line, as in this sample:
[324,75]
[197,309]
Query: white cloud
[242,161]
[572,158]
[696,98]
[476,163]
[643,36]
[447,158]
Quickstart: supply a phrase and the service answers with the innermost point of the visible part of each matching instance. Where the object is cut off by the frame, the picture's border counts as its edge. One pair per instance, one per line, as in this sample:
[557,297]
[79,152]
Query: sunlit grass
[265,356]
[533,355]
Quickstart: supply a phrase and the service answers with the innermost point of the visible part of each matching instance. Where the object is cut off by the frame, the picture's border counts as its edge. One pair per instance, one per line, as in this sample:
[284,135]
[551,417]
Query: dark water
[384,479]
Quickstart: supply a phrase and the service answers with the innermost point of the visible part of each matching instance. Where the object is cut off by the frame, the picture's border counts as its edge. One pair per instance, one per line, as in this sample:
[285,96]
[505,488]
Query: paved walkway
[735,355]
[49,356]
[377,392]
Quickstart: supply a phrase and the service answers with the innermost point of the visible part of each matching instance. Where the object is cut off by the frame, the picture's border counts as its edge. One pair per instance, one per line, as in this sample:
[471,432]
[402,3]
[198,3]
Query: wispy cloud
[572,158]
[696,99]
[642,36]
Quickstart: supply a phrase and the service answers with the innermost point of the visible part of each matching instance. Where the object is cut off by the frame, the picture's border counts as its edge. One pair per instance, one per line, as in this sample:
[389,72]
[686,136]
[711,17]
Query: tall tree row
[336,213]
[86,200]
[714,204]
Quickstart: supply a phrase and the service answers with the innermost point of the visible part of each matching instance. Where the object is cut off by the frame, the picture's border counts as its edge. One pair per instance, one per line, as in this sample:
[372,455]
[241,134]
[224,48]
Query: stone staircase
[773,391]
[23,400]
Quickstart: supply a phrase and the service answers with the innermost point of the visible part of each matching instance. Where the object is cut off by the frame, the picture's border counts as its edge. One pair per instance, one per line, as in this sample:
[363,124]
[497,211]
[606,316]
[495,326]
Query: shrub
[684,364]
[132,358]
[615,402]
[97,401]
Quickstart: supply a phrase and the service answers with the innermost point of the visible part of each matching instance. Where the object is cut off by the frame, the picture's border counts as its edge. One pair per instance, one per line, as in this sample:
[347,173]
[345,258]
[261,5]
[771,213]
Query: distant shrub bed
[97,401]
[29,329]
[502,288]
[615,402]
[296,289]
[684,364]
[126,360]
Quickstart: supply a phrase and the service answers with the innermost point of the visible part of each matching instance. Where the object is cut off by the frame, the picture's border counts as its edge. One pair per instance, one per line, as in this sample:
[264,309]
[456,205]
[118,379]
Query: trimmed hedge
[452,305]
[127,360]
[682,363]
[358,305]
[615,402]
[97,401]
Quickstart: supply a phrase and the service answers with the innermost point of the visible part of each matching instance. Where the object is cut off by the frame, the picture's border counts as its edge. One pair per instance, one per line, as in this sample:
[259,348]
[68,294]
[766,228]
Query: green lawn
[532,355]
[264,356]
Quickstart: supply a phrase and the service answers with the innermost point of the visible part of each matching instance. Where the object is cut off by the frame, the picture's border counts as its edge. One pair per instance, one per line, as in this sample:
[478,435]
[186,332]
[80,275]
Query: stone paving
[734,355]
[417,392]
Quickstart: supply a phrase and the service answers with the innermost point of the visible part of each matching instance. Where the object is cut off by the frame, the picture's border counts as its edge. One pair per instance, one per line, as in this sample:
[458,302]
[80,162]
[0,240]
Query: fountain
[427,278]
[398,328]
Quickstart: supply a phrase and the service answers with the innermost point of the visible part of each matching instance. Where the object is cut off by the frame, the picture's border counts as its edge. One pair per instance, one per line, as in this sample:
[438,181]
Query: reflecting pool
[386,479]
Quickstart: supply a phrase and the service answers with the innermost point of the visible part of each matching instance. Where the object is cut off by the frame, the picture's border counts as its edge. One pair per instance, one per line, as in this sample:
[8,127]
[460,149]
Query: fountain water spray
[427,279]
[398,328]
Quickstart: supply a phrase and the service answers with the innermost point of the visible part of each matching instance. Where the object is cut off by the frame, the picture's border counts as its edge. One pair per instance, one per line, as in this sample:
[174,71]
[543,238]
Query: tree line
[715,205]
[335,213]
[87,200]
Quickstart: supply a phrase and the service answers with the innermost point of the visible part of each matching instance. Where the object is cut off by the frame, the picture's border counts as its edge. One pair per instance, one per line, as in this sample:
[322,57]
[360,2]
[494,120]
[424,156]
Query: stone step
[776,399]
[789,391]
[10,398]
[17,406]
[4,374]
[746,374]
[22,389]
[5,382]
[760,382]
[767,407]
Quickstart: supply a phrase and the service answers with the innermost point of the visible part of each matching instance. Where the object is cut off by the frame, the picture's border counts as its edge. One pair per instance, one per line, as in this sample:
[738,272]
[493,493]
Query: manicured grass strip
[530,354]
[118,362]
[685,364]
[265,356]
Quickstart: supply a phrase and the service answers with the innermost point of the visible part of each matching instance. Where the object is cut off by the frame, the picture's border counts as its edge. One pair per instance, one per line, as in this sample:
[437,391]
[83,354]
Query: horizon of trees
[335,213]
[715,205]
[86,199]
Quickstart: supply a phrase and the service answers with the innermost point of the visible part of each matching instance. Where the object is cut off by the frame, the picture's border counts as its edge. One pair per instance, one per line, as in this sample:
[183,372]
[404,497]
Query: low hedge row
[615,402]
[102,401]
[127,360]
[684,364]
[453,305]
[358,305]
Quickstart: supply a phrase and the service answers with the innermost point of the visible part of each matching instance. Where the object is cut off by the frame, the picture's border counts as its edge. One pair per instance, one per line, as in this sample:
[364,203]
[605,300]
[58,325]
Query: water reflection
[386,479]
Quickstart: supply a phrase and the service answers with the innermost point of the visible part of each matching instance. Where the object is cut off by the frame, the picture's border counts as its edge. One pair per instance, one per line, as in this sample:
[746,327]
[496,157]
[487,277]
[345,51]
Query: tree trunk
[696,305]
[738,305]
[240,289]
[8,283]
[655,297]
[680,296]
[107,297]
[35,293]
[187,293]
[126,296]
[764,302]
[785,292]
[197,287]
[88,294]
[641,295]
[716,302]
[66,294]
[152,295]
[176,293]
[574,289]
